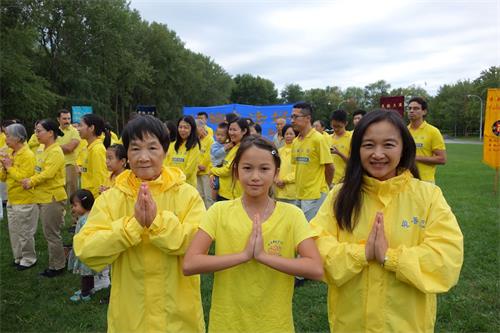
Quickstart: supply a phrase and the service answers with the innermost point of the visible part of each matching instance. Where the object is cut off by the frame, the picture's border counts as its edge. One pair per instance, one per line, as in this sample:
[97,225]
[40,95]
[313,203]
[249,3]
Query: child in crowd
[81,204]
[116,162]
[256,239]
[218,151]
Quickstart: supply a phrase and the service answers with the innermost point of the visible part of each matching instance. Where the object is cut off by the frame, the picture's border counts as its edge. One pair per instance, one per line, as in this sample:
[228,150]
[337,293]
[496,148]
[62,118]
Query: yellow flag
[491,145]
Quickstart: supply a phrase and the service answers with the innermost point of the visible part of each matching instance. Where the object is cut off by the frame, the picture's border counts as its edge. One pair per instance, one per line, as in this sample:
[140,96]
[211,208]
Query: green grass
[33,304]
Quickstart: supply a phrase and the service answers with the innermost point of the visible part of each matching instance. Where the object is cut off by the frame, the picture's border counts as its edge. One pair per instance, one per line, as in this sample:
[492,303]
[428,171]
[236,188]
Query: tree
[374,91]
[292,93]
[249,89]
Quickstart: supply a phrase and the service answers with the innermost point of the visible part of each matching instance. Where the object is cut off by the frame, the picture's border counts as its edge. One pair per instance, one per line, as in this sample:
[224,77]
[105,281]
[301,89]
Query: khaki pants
[205,190]
[71,179]
[52,217]
[23,222]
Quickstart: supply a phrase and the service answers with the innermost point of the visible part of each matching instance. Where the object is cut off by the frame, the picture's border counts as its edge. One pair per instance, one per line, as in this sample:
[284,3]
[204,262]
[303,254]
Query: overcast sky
[339,43]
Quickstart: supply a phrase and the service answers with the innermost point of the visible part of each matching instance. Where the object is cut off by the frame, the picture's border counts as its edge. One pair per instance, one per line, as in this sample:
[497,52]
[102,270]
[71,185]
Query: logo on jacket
[414,221]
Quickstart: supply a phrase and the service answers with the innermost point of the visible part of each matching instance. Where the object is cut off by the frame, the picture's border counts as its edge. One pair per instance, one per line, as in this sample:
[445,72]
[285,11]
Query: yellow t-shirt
[427,139]
[287,175]
[343,144]
[186,160]
[310,155]
[210,131]
[70,133]
[94,170]
[50,175]
[23,166]
[228,189]
[206,143]
[253,297]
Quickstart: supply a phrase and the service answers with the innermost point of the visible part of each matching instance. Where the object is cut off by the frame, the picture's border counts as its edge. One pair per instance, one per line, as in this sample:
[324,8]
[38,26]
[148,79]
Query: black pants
[87,284]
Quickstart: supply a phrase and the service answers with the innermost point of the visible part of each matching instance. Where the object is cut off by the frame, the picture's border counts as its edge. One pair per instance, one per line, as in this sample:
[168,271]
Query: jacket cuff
[160,223]
[133,229]
[392,262]
[359,255]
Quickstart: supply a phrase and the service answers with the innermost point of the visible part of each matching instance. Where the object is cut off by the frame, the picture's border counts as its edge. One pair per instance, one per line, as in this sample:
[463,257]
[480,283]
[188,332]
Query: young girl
[116,162]
[389,241]
[256,240]
[81,204]
[184,153]
[94,171]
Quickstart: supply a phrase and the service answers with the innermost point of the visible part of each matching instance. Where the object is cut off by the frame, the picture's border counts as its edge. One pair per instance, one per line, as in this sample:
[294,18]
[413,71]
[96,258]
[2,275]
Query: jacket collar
[388,189]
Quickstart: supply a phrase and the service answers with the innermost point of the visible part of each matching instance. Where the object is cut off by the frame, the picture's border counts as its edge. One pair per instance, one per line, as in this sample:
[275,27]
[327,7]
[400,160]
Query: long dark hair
[193,135]
[242,124]
[348,202]
[100,127]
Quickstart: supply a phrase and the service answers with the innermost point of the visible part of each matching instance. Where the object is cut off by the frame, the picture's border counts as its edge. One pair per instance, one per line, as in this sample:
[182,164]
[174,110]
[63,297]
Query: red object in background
[393,103]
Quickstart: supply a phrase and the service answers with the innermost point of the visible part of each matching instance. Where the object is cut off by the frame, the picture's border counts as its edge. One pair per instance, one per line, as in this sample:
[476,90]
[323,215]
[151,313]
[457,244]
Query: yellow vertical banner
[491,145]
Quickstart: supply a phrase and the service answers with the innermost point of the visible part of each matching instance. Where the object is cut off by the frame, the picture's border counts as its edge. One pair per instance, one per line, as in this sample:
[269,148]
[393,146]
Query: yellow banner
[491,145]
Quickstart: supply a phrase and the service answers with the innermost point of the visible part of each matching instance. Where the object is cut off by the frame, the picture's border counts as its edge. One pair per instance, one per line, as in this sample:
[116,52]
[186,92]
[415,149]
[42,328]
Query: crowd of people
[357,209]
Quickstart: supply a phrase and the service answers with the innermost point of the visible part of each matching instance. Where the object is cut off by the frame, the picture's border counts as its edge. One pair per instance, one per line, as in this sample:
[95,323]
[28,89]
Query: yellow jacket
[33,143]
[50,175]
[94,170]
[287,175]
[424,258]
[186,160]
[23,166]
[150,292]
[205,143]
[229,189]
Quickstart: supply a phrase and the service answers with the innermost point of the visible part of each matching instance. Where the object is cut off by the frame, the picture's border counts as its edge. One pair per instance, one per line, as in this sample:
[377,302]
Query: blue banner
[265,116]
[77,112]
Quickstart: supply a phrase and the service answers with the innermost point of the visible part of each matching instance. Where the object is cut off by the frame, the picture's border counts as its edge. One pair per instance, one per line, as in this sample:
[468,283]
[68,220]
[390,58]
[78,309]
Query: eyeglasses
[409,108]
[295,116]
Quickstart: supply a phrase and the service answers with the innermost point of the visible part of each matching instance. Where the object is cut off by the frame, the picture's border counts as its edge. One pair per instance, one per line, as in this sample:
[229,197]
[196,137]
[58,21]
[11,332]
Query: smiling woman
[144,224]
[385,234]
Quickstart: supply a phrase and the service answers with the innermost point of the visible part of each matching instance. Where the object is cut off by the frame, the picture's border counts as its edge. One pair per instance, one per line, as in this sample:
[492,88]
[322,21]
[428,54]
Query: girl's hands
[145,207]
[376,245]
[255,245]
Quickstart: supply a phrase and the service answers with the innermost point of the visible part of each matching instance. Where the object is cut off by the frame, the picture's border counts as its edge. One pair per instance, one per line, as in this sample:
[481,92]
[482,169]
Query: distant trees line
[57,53]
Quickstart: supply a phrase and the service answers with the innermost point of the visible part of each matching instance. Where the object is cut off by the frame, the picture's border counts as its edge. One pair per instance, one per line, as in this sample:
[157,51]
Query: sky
[339,43]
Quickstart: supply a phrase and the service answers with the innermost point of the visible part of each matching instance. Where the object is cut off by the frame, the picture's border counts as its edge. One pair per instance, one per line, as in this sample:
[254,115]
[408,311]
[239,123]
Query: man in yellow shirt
[340,144]
[314,165]
[203,116]
[431,150]
[69,142]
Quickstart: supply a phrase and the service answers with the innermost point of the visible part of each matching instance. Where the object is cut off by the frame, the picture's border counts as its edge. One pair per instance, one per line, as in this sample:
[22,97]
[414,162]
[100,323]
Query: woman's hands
[145,207]
[376,245]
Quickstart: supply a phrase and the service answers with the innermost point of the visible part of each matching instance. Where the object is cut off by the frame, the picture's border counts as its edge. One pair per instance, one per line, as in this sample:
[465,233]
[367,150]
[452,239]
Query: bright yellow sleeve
[225,169]
[173,233]
[97,170]
[192,161]
[33,143]
[23,167]
[289,178]
[52,164]
[434,265]
[102,239]
[342,261]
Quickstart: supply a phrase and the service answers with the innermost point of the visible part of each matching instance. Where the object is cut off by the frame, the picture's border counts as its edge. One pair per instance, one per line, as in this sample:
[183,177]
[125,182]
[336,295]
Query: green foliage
[249,89]
[292,93]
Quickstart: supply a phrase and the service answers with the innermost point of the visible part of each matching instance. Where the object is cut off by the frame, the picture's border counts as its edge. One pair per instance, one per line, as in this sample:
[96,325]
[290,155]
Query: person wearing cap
[50,194]
[22,212]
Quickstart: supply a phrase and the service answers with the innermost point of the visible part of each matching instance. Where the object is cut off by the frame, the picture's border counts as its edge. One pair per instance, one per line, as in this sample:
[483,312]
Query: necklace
[264,216]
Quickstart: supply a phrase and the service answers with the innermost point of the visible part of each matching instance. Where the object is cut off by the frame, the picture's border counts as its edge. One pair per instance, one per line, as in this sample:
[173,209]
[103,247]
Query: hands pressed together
[145,207]
[255,244]
[376,245]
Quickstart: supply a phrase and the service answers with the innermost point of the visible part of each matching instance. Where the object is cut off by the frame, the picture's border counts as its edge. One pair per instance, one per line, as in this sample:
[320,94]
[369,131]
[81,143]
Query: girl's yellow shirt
[186,160]
[229,189]
[424,258]
[94,170]
[23,166]
[150,293]
[49,179]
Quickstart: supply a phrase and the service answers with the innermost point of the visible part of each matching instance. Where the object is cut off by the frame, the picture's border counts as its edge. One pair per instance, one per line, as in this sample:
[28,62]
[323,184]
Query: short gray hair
[17,131]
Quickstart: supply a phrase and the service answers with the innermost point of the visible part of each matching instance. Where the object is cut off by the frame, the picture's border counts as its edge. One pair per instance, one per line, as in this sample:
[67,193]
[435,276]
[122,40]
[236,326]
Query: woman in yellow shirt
[388,240]
[285,183]
[22,212]
[142,227]
[50,194]
[256,239]
[238,130]
[184,153]
[93,170]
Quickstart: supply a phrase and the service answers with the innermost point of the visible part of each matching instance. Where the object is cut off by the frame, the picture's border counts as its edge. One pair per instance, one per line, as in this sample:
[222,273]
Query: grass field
[33,304]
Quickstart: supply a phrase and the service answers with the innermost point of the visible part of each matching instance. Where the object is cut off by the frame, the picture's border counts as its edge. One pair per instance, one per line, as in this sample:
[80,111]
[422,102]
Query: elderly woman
[142,227]
[50,194]
[22,212]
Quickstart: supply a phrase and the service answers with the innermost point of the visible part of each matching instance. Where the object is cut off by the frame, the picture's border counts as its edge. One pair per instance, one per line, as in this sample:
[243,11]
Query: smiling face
[236,133]
[256,171]
[146,157]
[289,135]
[381,149]
[184,130]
